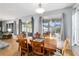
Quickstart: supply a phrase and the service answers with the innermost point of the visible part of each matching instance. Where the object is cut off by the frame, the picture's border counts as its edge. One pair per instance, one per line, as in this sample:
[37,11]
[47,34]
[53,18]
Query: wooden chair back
[46,35]
[23,45]
[65,45]
[37,35]
[66,50]
[37,47]
[19,37]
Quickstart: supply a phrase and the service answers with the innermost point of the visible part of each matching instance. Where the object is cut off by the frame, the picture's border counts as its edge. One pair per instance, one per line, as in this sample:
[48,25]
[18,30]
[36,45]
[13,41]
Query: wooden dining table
[49,45]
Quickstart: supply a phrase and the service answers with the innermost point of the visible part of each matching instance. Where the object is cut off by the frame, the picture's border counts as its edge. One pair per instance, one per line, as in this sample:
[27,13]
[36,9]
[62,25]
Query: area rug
[3,45]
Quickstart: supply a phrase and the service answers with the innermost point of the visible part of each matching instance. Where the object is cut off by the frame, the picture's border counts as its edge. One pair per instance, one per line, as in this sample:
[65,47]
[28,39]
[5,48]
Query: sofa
[6,35]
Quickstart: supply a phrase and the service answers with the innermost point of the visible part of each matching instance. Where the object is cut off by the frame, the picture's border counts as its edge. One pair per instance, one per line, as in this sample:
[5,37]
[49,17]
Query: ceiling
[16,10]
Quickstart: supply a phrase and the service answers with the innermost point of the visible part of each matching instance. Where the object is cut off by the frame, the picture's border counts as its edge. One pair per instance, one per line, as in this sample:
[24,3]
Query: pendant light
[40,10]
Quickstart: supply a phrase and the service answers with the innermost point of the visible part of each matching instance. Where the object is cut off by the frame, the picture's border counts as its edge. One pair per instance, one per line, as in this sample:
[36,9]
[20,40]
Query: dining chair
[65,49]
[18,39]
[46,35]
[37,35]
[23,34]
[37,48]
[65,46]
[23,45]
[49,50]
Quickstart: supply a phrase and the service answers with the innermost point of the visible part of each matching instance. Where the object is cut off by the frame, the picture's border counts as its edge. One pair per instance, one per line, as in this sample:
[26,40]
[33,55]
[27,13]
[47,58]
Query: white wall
[17,26]
[36,24]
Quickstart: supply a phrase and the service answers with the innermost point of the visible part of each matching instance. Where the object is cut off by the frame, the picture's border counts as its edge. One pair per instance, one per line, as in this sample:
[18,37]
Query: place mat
[39,40]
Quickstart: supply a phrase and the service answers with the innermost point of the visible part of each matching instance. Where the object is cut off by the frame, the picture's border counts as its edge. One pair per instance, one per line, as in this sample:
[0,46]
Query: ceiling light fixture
[40,10]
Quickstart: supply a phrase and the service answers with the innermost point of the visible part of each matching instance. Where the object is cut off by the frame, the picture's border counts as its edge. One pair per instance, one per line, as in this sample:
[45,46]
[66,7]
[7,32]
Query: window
[52,25]
[23,27]
[9,26]
[45,26]
[55,25]
[27,27]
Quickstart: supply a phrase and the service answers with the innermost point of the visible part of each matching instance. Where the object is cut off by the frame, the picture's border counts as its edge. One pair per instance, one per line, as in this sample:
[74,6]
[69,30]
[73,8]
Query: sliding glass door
[75,27]
[53,25]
